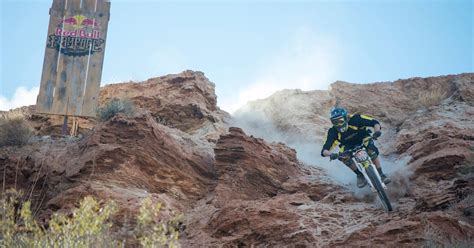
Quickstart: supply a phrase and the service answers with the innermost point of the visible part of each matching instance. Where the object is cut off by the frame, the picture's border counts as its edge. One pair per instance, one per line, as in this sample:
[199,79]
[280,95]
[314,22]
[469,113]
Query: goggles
[339,122]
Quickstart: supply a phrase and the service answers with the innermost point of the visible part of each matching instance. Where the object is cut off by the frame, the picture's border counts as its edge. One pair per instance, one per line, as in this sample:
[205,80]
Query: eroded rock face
[186,101]
[124,159]
[393,102]
[303,115]
[238,190]
[250,169]
[261,189]
[440,140]
[47,125]
[436,138]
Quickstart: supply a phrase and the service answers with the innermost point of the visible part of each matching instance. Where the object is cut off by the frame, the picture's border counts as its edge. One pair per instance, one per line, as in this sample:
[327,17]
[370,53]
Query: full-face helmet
[338,116]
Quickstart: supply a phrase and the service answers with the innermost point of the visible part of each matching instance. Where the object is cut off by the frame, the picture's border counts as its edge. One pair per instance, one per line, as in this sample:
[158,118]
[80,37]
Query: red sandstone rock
[239,190]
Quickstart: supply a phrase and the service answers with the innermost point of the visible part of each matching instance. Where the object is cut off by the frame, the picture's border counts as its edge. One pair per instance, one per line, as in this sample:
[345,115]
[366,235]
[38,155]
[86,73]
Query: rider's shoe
[385,179]
[361,182]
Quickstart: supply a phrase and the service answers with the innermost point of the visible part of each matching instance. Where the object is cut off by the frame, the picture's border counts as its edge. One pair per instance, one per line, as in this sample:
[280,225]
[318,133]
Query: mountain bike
[364,164]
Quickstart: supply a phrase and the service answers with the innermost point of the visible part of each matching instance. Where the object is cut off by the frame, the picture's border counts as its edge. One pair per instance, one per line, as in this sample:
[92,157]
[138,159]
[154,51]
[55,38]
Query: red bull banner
[77,36]
[74,56]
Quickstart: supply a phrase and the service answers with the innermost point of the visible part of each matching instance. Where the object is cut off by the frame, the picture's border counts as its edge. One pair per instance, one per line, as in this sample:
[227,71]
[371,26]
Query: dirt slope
[426,121]
[238,190]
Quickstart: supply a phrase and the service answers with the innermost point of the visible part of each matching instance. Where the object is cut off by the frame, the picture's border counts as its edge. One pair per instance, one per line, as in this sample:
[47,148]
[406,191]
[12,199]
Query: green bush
[14,131]
[89,226]
[115,106]
[150,232]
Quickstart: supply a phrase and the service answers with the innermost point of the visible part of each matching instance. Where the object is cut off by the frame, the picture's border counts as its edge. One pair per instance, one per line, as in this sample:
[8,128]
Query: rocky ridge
[437,181]
[239,190]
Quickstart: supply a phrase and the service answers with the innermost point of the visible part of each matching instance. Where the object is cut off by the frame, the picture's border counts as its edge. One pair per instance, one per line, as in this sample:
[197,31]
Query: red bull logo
[79,21]
[82,33]
[77,36]
[70,21]
[89,23]
[78,26]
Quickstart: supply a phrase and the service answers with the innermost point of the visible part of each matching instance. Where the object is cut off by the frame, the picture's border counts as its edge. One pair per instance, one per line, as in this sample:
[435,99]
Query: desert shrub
[151,232]
[115,106]
[431,97]
[89,226]
[14,130]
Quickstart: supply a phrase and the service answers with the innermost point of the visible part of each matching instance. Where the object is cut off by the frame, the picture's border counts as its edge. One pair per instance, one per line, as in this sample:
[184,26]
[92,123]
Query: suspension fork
[363,171]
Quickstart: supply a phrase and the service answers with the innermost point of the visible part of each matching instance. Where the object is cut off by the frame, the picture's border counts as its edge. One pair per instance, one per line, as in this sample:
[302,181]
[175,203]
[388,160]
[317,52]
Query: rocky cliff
[236,187]
[427,125]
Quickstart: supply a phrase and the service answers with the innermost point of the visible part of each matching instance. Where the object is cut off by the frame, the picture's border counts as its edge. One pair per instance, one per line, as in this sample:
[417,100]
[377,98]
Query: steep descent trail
[242,187]
[427,148]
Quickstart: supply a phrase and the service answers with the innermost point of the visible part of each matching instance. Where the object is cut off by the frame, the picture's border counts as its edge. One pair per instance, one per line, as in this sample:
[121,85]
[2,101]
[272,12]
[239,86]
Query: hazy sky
[250,49]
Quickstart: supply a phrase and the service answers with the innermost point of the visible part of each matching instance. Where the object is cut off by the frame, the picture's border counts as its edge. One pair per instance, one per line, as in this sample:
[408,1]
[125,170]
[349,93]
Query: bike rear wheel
[380,190]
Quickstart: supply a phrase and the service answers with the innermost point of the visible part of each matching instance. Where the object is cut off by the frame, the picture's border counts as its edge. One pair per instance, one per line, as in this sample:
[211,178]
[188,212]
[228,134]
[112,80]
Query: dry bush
[14,130]
[115,106]
[89,226]
[431,97]
[22,112]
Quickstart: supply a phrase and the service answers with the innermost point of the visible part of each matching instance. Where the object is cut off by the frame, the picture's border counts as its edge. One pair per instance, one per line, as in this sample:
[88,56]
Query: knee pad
[373,154]
[372,150]
[347,161]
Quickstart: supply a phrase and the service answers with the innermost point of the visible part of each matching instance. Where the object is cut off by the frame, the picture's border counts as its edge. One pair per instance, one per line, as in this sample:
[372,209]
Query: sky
[250,49]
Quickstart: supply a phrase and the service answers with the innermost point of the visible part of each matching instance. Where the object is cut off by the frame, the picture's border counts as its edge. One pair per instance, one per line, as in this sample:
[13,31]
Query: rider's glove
[334,156]
[377,134]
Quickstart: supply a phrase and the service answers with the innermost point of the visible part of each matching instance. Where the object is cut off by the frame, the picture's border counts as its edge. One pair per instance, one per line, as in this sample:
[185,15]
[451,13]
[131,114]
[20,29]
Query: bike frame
[364,164]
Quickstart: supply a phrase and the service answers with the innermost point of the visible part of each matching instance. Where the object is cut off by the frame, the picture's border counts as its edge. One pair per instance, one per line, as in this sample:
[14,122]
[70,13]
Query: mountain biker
[350,131]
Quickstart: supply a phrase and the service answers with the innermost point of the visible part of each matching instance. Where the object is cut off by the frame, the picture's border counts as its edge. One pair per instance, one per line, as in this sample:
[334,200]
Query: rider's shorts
[372,150]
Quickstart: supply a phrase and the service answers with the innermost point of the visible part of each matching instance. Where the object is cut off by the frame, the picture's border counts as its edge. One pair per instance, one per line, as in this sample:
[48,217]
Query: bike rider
[349,132]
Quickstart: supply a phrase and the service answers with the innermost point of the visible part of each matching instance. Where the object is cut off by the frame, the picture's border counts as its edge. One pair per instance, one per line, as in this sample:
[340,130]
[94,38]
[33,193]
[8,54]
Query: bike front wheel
[378,187]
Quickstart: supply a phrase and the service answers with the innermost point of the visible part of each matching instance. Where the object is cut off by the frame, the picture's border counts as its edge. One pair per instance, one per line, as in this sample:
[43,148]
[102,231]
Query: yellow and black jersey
[356,133]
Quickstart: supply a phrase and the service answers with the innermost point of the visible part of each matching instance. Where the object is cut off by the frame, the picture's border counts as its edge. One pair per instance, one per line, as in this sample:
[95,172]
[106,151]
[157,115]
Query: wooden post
[64,129]
[75,127]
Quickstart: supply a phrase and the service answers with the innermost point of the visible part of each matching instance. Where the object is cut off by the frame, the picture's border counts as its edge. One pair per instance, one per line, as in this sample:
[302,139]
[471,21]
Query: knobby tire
[380,190]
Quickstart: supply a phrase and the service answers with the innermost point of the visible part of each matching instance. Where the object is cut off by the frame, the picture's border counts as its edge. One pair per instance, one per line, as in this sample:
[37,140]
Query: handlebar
[349,152]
